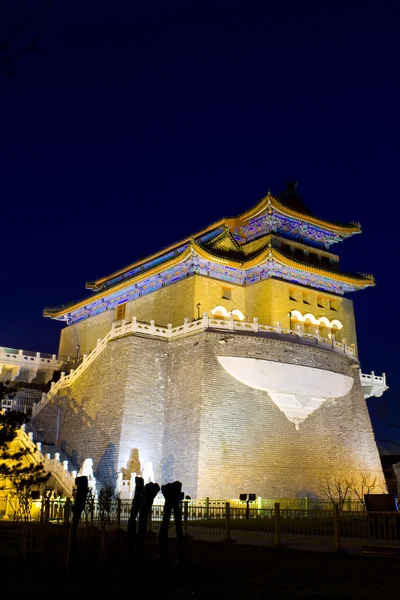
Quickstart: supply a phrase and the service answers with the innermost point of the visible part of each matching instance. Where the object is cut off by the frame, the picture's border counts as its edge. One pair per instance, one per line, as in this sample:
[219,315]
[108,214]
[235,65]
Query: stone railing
[373,385]
[13,361]
[59,470]
[188,328]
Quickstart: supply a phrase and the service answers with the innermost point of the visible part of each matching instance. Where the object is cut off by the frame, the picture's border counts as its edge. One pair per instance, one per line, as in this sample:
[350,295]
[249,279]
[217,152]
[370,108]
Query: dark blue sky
[143,122]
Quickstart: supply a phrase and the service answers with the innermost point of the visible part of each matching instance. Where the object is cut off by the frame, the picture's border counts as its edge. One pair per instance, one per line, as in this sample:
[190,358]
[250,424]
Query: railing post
[255,324]
[336,527]
[134,324]
[231,322]
[152,327]
[185,324]
[277,523]
[278,327]
[205,320]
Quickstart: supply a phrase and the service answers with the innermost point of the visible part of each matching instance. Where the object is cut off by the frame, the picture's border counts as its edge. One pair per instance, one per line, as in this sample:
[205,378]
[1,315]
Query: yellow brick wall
[209,292]
[267,300]
[270,301]
[85,334]
[171,304]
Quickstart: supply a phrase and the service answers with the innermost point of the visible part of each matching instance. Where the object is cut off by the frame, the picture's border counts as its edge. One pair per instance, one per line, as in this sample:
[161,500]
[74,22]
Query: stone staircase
[54,463]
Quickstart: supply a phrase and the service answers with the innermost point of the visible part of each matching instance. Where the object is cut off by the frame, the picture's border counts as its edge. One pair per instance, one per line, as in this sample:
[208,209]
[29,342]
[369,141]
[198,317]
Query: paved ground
[211,570]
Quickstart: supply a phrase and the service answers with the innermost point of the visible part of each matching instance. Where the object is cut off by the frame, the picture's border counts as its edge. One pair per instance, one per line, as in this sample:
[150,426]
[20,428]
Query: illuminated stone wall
[171,304]
[249,444]
[173,404]
[209,292]
[92,411]
[268,300]
[85,334]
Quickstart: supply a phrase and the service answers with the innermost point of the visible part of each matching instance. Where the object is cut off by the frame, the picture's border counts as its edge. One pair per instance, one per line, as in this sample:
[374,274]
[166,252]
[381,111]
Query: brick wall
[172,403]
[85,333]
[248,444]
[143,412]
[92,411]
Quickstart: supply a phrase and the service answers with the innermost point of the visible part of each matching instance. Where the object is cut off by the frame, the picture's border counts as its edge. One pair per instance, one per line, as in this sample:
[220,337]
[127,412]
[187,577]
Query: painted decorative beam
[197,260]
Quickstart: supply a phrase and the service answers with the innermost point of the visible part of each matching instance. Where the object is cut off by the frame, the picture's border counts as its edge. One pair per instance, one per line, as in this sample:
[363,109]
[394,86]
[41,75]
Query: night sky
[142,122]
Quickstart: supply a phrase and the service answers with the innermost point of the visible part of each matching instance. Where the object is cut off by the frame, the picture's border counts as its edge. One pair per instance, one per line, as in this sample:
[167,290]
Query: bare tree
[365,484]
[336,489]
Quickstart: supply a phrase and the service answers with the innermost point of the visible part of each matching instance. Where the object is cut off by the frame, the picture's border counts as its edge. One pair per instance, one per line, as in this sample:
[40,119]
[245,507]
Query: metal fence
[223,521]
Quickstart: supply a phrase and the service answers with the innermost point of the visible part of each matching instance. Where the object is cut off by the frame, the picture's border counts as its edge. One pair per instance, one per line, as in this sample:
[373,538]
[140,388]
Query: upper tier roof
[285,214]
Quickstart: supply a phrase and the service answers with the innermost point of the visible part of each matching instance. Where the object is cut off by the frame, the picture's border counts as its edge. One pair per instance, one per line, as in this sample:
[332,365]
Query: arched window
[324,326]
[337,330]
[220,311]
[308,326]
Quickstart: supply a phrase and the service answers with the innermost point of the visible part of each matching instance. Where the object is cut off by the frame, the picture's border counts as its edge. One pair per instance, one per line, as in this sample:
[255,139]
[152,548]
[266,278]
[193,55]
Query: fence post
[186,518]
[118,513]
[207,509]
[336,527]
[227,537]
[150,522]
[277,518]
[67,511]
[5,516]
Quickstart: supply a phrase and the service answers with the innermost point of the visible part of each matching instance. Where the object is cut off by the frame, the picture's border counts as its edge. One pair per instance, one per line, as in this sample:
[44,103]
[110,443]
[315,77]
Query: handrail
[51,465]
[15,353]
[188,328]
